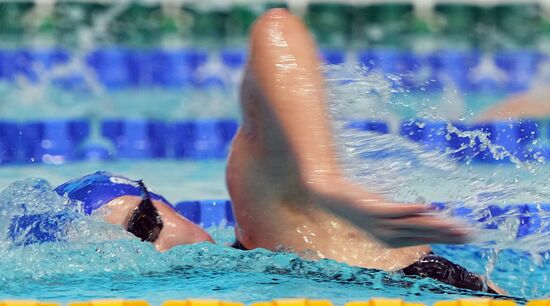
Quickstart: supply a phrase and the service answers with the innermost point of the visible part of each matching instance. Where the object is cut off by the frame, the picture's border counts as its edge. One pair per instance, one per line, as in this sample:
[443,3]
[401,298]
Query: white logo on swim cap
[122,180]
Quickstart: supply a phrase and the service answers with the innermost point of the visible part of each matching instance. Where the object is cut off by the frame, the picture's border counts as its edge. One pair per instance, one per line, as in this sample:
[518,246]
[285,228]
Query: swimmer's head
[175,230]
[129,204]
[145,222]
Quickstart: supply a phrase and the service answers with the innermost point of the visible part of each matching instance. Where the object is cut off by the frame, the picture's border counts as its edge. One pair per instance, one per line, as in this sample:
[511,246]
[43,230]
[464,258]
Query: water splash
[31,211]
[406,171]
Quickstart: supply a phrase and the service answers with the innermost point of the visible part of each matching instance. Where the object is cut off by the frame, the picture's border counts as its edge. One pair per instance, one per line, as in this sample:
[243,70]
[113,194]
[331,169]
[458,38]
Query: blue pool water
[102,261]
[129,269]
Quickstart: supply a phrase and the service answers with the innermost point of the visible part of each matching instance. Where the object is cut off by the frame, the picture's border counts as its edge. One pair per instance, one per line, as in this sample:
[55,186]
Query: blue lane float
[207,213]
[521,68]
[141,66]
[507,139]
[502,134]
[453,66]
[527,219]
[380,127]
[234,58]
[137,138]
[10,138]
[119,67]
[60,141]
[436,136]
[30,64]
[6,65]
[333,56]
[110,67]
[203,139]
[430,133]
[94,151]
[52,141]
[398,66]
[34,63]
[176,68]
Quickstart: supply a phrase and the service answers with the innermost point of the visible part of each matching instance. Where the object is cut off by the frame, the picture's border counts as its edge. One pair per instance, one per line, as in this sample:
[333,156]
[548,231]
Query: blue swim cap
[95,190]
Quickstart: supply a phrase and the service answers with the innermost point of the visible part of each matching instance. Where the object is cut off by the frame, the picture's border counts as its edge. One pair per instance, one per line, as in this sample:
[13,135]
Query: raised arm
[285,64]
[283,158]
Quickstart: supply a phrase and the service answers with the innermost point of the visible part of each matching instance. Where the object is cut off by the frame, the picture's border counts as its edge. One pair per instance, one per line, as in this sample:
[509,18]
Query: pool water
[102,261]
[130,269]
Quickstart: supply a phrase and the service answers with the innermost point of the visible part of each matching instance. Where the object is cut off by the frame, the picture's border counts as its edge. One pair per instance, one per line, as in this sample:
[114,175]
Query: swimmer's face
[176,229]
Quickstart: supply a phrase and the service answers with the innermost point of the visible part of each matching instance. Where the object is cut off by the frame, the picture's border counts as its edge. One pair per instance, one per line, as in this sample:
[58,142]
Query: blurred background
[135,75]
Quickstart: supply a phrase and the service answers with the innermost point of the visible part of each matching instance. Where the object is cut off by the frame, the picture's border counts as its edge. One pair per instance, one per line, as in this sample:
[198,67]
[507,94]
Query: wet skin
[177,230]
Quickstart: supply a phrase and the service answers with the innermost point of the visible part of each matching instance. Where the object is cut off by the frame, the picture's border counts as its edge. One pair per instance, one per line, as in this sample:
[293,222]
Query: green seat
[12,15]
[70,16]
[271,5]
[330,23]
[518,24]
[460,24]
[208,26]
[138,25]
[383,25]
[239,20]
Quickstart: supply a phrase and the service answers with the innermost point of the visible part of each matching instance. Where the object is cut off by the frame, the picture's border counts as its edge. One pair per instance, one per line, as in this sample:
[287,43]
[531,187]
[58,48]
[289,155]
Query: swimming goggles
[145,222]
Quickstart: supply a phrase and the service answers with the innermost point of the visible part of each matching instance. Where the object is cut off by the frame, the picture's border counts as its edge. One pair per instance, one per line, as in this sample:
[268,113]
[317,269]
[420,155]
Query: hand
[394,224]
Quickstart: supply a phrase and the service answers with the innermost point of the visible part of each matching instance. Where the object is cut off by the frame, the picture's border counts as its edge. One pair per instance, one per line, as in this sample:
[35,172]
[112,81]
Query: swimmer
[284,180]
[129,203]
[530,105]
